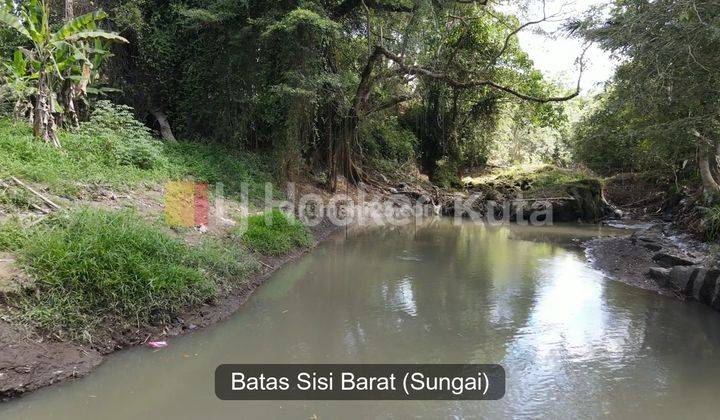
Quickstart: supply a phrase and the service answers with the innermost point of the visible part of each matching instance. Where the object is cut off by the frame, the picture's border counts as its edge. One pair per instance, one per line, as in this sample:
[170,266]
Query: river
[574,343]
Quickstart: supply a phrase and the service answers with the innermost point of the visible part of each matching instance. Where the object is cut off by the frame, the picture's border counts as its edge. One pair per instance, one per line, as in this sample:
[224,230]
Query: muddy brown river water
[575,344]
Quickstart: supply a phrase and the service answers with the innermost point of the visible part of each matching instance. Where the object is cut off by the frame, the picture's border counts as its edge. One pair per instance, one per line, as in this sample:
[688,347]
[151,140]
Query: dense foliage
[122,157]
[326,83]
[662,110]
[52,62]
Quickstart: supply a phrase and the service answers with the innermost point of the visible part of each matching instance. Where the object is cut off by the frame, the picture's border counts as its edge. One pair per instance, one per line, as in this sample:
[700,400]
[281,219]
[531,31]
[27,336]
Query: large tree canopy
[303,77]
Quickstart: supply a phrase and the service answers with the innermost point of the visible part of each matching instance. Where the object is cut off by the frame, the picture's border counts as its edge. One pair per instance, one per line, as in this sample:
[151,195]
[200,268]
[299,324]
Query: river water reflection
[574,344]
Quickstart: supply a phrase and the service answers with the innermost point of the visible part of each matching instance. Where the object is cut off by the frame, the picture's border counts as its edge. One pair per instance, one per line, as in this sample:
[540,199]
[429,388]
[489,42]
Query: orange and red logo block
[187,204]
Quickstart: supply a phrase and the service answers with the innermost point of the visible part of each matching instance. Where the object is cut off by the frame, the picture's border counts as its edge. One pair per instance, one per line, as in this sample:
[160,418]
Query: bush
[95,265]
[125,139]
[446,175]
[277,235]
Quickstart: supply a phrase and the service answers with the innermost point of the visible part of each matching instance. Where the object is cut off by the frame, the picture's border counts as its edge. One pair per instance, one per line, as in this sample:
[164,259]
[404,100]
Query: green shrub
[446,175]
[122,137]
[711,223]
[96,265]
[275,234]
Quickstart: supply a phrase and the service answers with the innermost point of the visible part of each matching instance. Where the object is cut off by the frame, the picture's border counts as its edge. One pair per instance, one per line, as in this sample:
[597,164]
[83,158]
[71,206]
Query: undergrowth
[102,153]
[12,235]
[711,223]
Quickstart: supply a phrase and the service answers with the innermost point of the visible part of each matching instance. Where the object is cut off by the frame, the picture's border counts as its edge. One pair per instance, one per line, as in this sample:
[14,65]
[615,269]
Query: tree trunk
[711,189]
[69,93]
[344,148]
[69,10]
[44,122]
[165,129]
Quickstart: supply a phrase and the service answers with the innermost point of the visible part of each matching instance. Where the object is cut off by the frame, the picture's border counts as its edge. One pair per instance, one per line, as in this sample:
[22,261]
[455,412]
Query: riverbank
[119,240]
[31,360]
[669,240]
[642,258]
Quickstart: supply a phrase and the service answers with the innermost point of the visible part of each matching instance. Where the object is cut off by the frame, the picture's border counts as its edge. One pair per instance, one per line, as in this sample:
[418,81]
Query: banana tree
[51,53]
[17,86]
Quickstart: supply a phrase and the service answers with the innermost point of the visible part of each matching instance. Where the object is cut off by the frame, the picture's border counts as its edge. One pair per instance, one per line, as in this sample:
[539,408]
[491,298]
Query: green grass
[88,159]
[15,199]
[12,235]
[93,266]
[275,234]
[539,176]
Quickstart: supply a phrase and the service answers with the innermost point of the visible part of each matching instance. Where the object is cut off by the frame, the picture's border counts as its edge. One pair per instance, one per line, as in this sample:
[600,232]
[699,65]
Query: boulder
[669,260]
[652,247]
[698,283]
[716,297]
[658,273]
[681,278]
[585,202]
[708,291]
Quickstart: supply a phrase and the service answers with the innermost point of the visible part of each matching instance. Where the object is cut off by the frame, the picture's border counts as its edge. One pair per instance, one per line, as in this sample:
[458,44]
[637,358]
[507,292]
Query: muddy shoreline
[645,256]
[29,362]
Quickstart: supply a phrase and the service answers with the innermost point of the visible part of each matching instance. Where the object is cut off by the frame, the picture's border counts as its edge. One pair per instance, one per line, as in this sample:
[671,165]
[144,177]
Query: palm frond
[96,34]
[11,20]
[80,24]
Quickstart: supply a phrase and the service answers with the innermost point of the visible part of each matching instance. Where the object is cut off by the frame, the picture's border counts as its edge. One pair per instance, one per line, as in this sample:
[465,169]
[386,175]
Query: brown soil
[28,363]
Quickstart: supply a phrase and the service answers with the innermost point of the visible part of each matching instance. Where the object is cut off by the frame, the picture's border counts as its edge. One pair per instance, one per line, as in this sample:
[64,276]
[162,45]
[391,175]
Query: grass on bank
[274,234]
[92,266]
[109,156]
[538,176]
[97,268]
[113,269]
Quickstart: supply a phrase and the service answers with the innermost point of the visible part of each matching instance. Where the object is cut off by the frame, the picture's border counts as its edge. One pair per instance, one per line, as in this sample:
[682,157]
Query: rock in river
[668,260]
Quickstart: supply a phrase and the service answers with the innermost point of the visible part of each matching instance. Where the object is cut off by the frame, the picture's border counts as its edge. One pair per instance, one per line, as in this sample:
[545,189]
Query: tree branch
[517,30]
[347,6]
[389,104]
[421,71]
